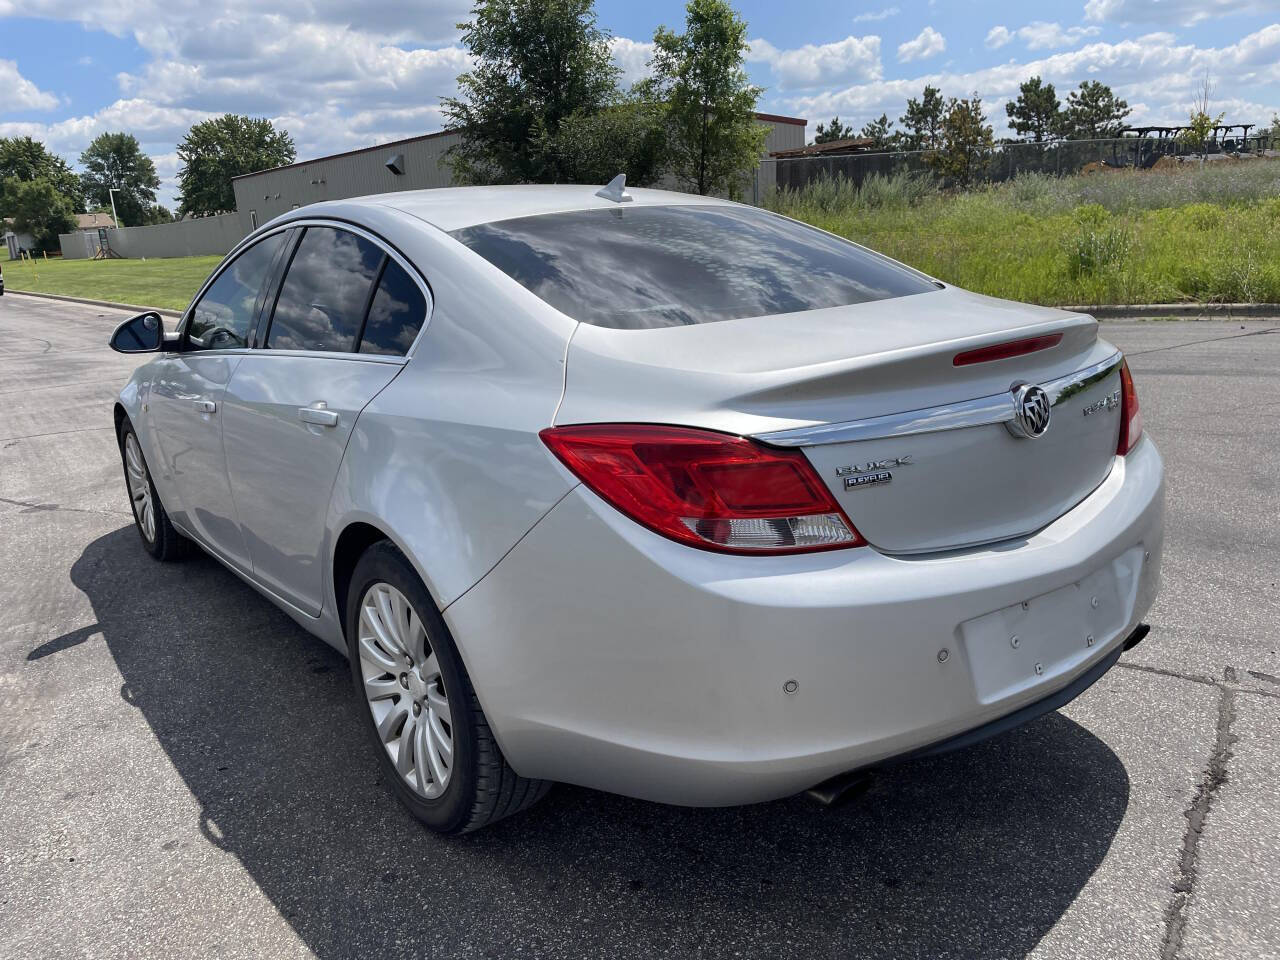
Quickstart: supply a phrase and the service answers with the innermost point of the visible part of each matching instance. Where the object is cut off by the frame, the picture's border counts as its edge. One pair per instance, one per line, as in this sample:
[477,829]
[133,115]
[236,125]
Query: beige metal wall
[263,196]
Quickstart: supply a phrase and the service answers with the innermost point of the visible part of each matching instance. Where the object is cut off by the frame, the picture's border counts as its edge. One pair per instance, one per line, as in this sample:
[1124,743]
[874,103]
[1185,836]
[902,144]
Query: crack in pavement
[1215,775]
[1229,674]
[1192,343]
[57,433]
[29,507]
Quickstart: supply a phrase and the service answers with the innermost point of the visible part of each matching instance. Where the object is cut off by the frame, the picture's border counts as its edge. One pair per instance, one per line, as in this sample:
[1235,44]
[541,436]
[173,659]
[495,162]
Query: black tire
[167,545]
[482,788]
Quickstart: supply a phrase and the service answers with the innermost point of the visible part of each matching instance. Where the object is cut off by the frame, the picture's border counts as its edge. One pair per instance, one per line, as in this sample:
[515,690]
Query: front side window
[649,266]
[395,315]
[223,317]
[325,291]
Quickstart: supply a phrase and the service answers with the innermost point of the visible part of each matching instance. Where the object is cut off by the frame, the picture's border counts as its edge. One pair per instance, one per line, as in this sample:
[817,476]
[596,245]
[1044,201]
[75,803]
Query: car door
[345,315]
[185,400]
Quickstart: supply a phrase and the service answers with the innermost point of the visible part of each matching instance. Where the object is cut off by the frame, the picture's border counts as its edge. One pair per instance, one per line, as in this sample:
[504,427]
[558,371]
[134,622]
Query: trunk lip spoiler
[997,408]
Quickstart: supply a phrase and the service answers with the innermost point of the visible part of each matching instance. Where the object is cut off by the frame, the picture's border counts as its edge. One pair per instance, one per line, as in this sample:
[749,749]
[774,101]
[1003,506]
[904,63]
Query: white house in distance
[87,225]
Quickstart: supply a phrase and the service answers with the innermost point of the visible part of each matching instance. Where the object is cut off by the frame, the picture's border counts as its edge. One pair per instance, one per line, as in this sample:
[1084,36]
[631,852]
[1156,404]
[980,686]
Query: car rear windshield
[637,267]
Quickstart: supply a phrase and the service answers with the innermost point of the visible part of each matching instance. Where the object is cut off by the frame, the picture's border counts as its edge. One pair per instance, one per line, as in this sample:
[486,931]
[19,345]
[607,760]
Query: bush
[1096,249]
[1203,216]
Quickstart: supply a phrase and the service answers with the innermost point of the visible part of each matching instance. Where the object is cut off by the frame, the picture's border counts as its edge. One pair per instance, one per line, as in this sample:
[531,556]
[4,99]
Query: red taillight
[1002,351]
[708,490]
[1130,415]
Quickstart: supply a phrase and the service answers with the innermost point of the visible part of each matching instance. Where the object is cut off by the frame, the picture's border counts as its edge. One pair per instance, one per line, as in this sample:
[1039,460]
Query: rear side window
[637,267]
[223,316]
[396,314]
[325,291]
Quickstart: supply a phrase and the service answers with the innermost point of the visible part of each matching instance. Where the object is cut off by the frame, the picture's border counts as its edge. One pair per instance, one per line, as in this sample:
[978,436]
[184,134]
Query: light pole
[111,193]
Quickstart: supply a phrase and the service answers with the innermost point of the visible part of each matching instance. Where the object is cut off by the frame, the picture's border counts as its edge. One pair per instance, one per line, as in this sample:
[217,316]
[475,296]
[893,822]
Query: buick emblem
[1031,409]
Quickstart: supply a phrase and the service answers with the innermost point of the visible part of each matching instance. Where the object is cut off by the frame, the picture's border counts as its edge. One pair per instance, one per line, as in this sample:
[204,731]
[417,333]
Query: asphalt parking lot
[183,774]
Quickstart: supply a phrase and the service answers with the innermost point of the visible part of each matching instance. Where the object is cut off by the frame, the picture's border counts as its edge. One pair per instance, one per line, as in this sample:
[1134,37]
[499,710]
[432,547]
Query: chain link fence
[1007,160]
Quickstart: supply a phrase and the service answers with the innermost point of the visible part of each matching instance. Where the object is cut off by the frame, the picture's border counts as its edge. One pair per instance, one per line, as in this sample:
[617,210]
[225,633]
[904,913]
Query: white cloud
[159,26]
[927,43]
[633,57]
[20,93]
[1040,35]
[814,65]
[1184,12]
[998,36]
[1155,73]
[875,16]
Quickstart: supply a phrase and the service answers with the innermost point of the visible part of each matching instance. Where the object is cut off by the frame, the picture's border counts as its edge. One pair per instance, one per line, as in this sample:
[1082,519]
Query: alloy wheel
[139,487]
[405,691]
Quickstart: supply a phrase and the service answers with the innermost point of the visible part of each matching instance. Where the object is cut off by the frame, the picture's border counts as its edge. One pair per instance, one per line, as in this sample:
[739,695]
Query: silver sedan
[649,492]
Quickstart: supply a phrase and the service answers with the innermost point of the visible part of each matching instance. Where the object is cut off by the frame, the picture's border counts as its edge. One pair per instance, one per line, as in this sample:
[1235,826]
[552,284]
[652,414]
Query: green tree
[629,137]
[881,131]
[715,139]
[23,159]
[835,130]
[157,213]
[537,63]
[1199,130]
[1037,111]
[40,208]
[116,160]
[1200,125]
[214,151]
[967,141]
[922,123]
[1093,112]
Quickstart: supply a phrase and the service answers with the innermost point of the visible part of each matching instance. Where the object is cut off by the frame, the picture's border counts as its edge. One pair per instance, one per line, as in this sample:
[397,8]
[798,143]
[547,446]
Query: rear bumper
[608,656]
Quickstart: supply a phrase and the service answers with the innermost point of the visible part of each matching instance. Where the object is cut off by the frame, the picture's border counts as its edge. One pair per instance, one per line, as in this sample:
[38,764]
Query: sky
[340,75]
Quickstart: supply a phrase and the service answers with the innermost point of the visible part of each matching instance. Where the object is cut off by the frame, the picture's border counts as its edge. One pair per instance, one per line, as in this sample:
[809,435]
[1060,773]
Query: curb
[111,304]
[1192,311]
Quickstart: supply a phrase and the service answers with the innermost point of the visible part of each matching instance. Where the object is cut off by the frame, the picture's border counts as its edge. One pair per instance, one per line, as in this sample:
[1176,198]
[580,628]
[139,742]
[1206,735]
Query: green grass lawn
[150,283]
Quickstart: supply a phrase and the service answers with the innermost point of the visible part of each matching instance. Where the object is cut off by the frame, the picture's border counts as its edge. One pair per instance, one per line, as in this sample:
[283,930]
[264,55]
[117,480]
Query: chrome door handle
[204,406]
[318,414]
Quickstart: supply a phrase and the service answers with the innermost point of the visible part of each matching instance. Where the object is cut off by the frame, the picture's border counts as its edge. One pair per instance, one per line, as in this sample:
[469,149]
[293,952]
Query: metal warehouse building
[411,164]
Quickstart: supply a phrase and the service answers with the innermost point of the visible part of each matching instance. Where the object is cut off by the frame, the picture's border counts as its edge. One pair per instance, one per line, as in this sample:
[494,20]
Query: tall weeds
[1208,233]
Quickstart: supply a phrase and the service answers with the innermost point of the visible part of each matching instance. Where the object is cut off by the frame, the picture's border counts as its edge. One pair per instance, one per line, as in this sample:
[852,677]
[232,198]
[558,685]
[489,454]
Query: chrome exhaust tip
[841,788]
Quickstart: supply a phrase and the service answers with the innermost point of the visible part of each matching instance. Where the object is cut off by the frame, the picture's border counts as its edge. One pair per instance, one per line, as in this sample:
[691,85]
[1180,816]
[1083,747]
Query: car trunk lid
[917,450]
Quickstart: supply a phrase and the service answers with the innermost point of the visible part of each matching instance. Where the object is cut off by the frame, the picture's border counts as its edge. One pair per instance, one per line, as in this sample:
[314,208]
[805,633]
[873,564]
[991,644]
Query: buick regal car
[654,493]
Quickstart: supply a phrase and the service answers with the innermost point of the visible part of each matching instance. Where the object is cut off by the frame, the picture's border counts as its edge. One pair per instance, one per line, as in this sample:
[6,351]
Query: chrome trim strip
[951,416]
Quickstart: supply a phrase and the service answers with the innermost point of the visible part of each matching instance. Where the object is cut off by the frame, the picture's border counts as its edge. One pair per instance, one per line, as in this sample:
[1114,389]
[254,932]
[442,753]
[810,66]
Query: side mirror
[141,334]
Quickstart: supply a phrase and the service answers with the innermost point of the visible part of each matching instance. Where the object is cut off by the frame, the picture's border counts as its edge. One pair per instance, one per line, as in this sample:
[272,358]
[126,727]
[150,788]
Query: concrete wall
[183,238]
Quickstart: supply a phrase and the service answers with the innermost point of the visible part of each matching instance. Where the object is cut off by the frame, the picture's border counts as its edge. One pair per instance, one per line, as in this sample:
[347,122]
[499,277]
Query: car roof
[453,208]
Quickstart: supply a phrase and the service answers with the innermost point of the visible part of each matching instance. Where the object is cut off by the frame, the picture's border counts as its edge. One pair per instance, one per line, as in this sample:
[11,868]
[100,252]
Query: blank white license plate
[1031,642]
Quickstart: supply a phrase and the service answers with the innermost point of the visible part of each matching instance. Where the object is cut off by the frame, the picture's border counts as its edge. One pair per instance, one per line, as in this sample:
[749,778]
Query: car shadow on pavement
[974,855]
